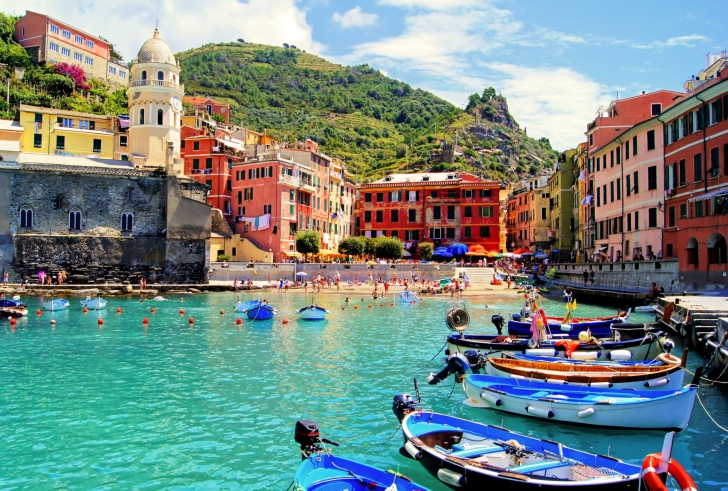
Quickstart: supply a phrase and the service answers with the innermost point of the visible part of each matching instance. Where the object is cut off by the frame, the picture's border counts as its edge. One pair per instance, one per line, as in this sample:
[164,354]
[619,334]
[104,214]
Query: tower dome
[156,50]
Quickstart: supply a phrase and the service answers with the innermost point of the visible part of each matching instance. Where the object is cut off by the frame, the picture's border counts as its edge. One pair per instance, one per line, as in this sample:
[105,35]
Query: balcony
[158,83]
[308,187]
[335,175]
[290,180]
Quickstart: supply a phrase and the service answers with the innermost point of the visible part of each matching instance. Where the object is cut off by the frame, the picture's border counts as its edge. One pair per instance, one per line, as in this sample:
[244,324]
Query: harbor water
[212,404]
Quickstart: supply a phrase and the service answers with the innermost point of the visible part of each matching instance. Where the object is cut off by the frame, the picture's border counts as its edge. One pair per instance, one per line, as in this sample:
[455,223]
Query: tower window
[160,75]
[141,116]
[160,116]
[127,221]
[26,217]
[74,219]
[143,75]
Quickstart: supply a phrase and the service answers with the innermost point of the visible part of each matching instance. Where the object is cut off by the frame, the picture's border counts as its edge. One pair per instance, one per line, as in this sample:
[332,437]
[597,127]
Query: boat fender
[657,383]
[678,472]
[412,450]
[668,359]
[620,355]
[532,343]
[557,381]
[539,411]
[451,478]
[542,352]
[601,385]
[566,327]
[585,412]
[585,355]
[491,399]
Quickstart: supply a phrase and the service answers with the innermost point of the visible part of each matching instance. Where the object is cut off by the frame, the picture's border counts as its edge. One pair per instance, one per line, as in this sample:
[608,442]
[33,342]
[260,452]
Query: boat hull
[489,473]
[13,311]
[600,328]
[260,313]
[57,304]
[613,408]
[313,313]
[241,307]
[94,303]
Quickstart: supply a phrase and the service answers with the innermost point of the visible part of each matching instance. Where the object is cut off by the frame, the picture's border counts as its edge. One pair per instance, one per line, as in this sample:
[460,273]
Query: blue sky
[556,62]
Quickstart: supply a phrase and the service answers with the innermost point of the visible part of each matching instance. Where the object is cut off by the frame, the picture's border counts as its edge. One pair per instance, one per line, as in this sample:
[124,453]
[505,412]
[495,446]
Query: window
[652,178]
[267,209]
[681,172]
[599,164]
[88,61]
[452,193]
[60,142]
[629,222]
[97,145]
[395,216]
[468,212]
[636,188]
[367,197]
[127,221]
[367,217]
[248,194]
[66,52]
[436,212]
[78,57]
[26,217]
[466,232]
[160,75]
[412,215]
[53,47]
[683,210]
[698,167]
[74,219]
[626,150]
[433,194]
[196,165]
[543,213]
[467,193]
[611,192]
[484,231]
[66,34]
[380,197]
[394,196]
[412,235]
[485,193]
[54,29]
[715,162]
[37,140]
[671,216]
[656,109]
[591,139]
[160,117]
[451,213]
[450,233]
[123,141]
[196,146]
[78,39]
[652,217]
[380,216]
[636,220]
[486,211]
[143,75]
[599,196]
[122,74]
[619,155]
[89,44]
[715,112]
[141,116]
[651,140]
[699,208]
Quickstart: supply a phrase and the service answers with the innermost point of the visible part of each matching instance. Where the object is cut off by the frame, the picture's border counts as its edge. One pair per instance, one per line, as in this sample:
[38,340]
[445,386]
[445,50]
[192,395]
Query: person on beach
[347,300]
[269,282]
[586,277]
[285,286]
[5,278]
[592,275]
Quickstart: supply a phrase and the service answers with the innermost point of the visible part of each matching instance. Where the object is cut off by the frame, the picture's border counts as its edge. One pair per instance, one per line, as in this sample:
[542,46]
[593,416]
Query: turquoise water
[213,405]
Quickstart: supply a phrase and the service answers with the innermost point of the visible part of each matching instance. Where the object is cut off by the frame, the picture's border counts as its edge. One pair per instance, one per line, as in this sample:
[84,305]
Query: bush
[352,246]
[223,257]
[425,249]
[389,248]
[308,242]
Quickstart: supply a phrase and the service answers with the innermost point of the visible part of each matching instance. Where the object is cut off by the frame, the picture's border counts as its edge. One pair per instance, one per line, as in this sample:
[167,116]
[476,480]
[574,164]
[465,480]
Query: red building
[210,106]
[443,208]
[209,159]
[696,178]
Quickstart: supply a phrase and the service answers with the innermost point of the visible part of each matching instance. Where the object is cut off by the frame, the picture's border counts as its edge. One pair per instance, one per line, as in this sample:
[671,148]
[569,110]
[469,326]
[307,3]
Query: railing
[336,175]
[285,178]
[159,83]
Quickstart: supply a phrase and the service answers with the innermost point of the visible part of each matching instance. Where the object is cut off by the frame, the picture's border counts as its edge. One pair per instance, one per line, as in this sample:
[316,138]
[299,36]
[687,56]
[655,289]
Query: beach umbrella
[529,253]
[446,255]
[301,273]
[477,249]
[541,256]
[458,249]
[492,254]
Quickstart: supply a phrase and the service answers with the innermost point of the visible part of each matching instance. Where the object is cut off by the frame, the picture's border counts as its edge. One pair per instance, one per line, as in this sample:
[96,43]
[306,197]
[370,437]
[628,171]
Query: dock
[692,317]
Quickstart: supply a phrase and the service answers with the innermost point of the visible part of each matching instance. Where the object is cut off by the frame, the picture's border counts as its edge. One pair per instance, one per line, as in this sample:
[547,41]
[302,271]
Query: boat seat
[473,451]
[539,466]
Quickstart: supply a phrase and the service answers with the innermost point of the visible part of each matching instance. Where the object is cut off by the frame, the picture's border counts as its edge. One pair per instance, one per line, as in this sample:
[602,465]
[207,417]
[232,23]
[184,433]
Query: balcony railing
[159,83]
[286,179]
[336,175]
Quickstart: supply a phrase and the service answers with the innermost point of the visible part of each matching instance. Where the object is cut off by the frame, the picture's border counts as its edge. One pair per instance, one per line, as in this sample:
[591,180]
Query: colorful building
[561,206]
[210,107]
[696,185]
[439,207]
[539,219]
[580,188]
[70,133]
[49,40]
[520,213]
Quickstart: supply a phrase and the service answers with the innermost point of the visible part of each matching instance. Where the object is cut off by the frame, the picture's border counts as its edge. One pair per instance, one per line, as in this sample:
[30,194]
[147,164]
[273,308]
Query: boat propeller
[308,437]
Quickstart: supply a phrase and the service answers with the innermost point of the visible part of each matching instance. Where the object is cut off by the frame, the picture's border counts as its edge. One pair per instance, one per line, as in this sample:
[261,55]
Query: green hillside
[376,124]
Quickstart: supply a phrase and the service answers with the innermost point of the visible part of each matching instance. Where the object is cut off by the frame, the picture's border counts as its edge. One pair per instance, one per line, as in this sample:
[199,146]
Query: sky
[556,62]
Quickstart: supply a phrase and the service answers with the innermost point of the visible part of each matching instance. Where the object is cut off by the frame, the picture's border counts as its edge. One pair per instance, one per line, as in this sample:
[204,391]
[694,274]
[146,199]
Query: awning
[291,253]
[234,145]
[329,252]
[710,194]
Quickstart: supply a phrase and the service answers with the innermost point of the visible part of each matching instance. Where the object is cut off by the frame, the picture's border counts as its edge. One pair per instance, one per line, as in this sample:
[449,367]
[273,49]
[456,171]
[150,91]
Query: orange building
[210,106]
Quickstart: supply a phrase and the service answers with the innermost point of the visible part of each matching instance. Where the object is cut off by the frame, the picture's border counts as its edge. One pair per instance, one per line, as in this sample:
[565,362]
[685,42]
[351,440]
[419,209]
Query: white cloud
[184,24]
[678,41]
[432,4]
[355,18]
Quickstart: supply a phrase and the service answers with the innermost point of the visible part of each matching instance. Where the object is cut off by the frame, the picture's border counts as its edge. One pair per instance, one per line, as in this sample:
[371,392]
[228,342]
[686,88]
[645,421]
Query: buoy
[12,321]
[101,322]
[85,310]
[356,307]
[391,305]
[118,310]
[343,308]
[38,312]
[181,312]
[222,311]
[154,310]
[53,322]
[239,321]
[381,305]
[285,321]
[145,320]
[192,321]
[369,306]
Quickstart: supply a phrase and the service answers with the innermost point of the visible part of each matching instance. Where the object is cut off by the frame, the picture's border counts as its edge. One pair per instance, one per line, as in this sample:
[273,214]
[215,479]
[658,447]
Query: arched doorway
[716,249]
[692,249]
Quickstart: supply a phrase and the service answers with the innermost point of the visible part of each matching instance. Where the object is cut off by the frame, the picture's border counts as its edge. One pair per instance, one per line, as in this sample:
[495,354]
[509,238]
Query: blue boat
[56,304]
[243,306]
[598,328]
[4,302]
[260,311]
[321,471]
[313,313]
[474,456]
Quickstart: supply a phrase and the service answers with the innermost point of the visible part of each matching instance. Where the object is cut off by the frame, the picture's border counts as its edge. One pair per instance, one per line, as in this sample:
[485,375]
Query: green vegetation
[425,249]
[223,257]
[352,246]
[389,247]
[308,242]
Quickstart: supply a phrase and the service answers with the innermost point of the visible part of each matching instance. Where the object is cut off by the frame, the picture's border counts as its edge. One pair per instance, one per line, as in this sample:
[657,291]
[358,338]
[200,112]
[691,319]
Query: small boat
[93,303]
[593,406]
[657,362]
[408,296]
[56,304]
[13,311]
[160,298]
[474,456]
[645,308]
[260,311]
[313,313]
[243,306]
[717,343]
[321,471]
[15,302]
[598,328]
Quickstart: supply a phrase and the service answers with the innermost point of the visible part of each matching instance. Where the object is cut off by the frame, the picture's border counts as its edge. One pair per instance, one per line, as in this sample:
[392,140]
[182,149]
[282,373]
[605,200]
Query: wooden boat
[260,311]
[313,313]
[56,304]
[717,342]
[604,363]
[408,296]
[474,456]
[663,377]
[592,406]
[642,348]
[321,471]
[12,308]
[598,328]
[93,303]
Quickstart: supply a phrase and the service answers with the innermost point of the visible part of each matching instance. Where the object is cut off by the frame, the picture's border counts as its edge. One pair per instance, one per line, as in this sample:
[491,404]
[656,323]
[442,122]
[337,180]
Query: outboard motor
[403,404]
[456,363]
[498,321]
[474,360]
[307,436]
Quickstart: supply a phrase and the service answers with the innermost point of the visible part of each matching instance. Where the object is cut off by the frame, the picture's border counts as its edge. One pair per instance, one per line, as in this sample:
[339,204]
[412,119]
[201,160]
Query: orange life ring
[669,359]
[653,481]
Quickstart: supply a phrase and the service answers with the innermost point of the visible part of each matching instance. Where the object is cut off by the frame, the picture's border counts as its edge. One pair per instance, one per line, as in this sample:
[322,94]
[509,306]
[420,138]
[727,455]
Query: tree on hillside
[425,250]
[115,55]
[352,246]
[389,248]
[308,242]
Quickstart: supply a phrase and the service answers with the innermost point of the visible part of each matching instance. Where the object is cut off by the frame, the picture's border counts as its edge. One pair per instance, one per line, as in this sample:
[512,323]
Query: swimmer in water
[347,299]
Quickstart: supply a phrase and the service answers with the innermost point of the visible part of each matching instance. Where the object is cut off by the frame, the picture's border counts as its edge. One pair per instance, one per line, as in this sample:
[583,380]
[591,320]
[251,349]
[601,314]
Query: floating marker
[222,311]
[101,322]
[38,312]
[191,320]
[154,310]
[53,322]
[145,320]
[118,310]
[181,312]
[239,321]
[85,310]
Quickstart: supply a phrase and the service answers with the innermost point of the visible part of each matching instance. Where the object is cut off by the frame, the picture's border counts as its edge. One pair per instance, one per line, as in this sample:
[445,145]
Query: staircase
[479,277]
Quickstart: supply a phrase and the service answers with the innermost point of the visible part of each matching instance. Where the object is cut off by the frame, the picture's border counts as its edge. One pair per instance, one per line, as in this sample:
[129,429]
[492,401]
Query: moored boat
[242,306]
[321,471]
[56,304]
[260,311]
[12,308]
[96,303]
[592,406]
[474,456]
[313,313]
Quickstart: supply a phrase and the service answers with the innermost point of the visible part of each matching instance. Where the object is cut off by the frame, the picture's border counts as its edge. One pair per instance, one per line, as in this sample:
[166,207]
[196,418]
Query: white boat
[616,408]
[408,296]
[93,303]
[56,304]
[313,313]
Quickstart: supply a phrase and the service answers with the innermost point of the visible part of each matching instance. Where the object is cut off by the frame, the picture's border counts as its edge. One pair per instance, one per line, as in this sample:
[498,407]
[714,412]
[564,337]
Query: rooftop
[61,112]
[8,125]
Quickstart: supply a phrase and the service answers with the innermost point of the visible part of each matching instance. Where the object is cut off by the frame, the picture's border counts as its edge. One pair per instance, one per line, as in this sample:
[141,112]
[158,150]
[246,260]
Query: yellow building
[57,132]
